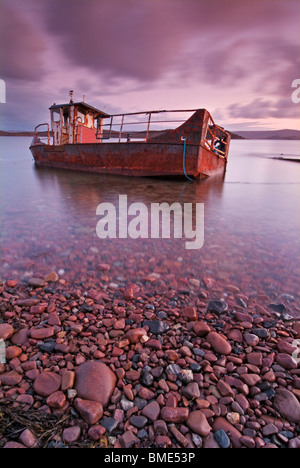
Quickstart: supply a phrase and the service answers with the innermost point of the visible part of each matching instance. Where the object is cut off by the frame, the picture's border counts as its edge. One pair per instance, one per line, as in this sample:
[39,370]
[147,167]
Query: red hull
[184,150]
[130,159]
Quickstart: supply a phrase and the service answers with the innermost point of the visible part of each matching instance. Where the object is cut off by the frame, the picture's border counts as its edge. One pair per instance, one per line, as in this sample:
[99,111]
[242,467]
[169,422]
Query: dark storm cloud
[123,37]
[219,41]
[161,46]
[21,45]
[146,38]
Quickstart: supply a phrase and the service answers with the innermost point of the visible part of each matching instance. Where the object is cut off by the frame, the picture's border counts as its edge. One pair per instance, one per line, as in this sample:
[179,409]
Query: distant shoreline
[293,135]
[20,134]
[287,159]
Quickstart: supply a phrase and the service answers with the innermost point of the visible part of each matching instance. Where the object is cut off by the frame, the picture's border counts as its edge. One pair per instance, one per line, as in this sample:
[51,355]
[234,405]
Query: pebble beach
[140,343]
[149,366]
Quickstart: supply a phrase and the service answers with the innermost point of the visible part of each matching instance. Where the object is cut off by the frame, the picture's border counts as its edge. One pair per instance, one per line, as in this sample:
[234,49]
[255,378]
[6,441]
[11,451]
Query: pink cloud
[243,51]
[21,45]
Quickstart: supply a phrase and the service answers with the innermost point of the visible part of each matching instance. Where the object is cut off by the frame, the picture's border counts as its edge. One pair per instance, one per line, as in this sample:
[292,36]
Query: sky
[236,58]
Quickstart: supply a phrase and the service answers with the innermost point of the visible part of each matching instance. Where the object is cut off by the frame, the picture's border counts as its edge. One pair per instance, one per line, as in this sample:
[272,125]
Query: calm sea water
[252,223]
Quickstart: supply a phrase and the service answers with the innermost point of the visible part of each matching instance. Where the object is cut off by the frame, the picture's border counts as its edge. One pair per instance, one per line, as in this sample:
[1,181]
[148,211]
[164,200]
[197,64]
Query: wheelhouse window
[56,115]
[66,117]
[81,116]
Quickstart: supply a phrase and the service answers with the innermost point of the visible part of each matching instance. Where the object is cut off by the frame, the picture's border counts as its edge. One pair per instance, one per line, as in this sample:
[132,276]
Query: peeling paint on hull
[130,159]
[189,149]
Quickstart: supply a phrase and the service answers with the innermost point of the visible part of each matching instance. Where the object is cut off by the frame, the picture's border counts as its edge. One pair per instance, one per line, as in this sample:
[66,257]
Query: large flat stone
[95,381]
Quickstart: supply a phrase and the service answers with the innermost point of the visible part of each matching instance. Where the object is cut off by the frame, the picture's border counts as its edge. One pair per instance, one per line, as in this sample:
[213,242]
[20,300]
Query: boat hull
[131,159]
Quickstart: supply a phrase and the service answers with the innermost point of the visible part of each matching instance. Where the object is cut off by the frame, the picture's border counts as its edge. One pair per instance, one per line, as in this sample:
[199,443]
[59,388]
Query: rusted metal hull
[131,159]
[188,150]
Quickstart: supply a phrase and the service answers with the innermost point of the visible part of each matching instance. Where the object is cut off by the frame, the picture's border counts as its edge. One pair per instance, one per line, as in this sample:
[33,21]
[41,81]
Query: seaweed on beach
[15,419]
[47,428]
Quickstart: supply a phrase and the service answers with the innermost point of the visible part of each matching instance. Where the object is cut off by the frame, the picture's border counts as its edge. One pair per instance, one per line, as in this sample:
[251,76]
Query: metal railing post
[121,128]
[148,127]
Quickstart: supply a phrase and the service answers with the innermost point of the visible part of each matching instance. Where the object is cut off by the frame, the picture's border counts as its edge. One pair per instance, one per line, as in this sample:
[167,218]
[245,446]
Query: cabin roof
[83,105]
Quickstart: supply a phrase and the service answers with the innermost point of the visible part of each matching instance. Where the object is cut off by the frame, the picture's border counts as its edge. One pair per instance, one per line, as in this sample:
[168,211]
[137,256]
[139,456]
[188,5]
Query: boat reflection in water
[85,191]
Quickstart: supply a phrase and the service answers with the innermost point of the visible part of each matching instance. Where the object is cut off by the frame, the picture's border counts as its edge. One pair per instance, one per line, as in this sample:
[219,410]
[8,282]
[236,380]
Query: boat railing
[116,129]
[216,139]
[39,136]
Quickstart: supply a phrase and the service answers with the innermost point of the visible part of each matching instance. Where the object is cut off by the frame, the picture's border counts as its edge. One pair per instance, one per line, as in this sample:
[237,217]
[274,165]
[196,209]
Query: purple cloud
[145,39]
[21,45]
[217,53]
[263,108]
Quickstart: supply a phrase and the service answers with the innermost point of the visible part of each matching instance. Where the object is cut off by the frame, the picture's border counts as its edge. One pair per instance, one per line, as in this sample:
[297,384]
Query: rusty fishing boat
[88,139]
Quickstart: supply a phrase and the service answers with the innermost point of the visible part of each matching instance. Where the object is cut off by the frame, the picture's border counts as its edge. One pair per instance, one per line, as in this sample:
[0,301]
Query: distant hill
[4,133]
[13,133]
[270,134]
[237,135]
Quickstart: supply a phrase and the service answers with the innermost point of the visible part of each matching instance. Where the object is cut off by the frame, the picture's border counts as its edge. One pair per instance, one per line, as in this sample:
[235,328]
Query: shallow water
[251,224]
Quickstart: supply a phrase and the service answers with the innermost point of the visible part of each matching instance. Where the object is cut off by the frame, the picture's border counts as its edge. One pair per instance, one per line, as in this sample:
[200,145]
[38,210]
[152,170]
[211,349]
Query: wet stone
[198,423]
[36,283]
[91,411]
[95,381]
[195,368]
[199,352]
[41,333]
[190,313]
[47,383]
[129,440]
[186,376]
[138,421]
[174,415]
[135,335]
[218,306]
[71,434]
[201,328]
[287,405]
[48,347]
[286,361]
[20,337]
[85,308]
[28,439]
[174,369]
[222,438]
[280,308]
[14,445]
[56,400]
[156,327]
[151,411]
[11,378]
[218,343]
[251,339]
[260,332]
[110,424]
[146,378]
[6,331]
[234,434]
